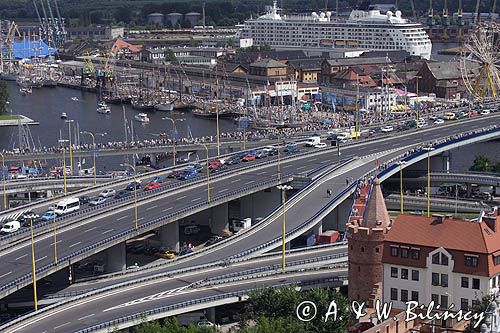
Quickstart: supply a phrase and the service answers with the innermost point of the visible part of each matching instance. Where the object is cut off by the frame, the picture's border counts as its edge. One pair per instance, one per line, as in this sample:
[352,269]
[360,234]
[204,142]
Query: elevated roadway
[314,199]
[98,233]
[204,284]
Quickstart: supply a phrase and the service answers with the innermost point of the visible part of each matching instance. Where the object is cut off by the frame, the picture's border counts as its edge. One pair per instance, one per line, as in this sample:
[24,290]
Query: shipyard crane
[493,9]
[477,14]
[412,4]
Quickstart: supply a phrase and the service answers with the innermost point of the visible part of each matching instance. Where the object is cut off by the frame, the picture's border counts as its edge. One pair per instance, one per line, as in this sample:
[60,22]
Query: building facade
[95,32]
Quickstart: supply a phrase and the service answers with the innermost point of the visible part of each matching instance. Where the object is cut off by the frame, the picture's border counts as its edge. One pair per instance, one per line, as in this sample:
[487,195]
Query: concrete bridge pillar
[116,258]
[260,204]
[219,219]
[169,236]
[337,219]
[318,229]
[210,314]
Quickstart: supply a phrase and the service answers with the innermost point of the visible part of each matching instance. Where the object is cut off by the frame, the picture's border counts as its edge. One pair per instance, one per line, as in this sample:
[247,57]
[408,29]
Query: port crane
[52,27]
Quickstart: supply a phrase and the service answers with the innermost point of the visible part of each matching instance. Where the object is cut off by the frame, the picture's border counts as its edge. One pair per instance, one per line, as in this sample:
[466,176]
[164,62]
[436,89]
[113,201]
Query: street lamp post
[94,151]
[175,131]
[33,265]
[283,189]
[55,229]
[279,153]
[64,169]
[136,226]
[69,121]
[208,172]
[3,182]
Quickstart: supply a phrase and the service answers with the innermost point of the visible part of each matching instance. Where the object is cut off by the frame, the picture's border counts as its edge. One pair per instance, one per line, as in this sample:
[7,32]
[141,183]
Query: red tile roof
[121,44]
[450,234]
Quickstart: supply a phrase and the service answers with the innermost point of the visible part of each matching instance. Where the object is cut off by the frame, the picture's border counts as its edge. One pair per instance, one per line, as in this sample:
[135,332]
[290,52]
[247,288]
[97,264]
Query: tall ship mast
[364,29]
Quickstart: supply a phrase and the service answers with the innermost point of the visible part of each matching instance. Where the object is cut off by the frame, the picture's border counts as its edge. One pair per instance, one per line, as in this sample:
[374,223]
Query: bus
[67,206]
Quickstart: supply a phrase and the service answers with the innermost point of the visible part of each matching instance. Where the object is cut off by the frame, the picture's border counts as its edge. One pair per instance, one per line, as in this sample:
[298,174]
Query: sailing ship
[103,108]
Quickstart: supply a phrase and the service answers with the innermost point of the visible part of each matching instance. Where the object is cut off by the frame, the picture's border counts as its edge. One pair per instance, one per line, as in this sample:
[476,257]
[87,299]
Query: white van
[240,224]
[313,141]
[10,227]
[67,206]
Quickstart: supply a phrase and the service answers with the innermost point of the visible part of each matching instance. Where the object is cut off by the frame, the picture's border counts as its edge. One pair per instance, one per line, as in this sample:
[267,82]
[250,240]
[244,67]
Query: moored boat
[142,117]
[103,108]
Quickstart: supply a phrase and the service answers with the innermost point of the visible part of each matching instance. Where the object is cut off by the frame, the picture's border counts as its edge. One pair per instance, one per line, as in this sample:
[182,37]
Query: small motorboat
[25,91]
[64,115]
[103,108]
[142,117]
[75,99]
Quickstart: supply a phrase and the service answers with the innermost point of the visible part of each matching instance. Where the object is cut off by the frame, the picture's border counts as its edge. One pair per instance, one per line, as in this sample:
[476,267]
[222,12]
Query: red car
[218,168]
[152,186]
[248,158]
[360,327]
[214,164]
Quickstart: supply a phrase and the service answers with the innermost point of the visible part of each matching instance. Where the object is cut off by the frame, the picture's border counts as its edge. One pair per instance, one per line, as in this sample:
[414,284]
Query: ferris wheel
[480,62]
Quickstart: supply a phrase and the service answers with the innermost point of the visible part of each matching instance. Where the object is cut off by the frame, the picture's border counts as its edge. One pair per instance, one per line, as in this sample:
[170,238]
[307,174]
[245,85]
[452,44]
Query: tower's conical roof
[376,211]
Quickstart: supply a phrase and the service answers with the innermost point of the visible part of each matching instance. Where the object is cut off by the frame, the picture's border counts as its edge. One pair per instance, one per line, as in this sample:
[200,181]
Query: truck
[240,224]
[188,173]
[313,141]
[306,240]
[329,236]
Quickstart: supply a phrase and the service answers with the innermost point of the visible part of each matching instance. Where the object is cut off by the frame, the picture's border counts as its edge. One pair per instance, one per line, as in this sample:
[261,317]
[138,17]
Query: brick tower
[366,231]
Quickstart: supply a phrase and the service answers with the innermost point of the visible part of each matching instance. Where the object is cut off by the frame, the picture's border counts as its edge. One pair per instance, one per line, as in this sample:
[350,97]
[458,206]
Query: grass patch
[10,117]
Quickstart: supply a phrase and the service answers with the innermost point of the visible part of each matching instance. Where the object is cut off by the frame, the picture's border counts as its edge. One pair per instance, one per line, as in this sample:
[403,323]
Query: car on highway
[245,153]
[219,168]
[191,230]
[205,323]
[84,199]
[261,153]
[214,164]
[185,250]
[122,194]
[449,116]
[421,123]
[197,166]
[130,187]
[152,186]
[10,227]
[188,173]
[166,254]
[107,193]
[248,158]
[97,201]
[212,240]
[174,174]
[234,159]
[387,129]
[292,148]
[26,217]
[49,215]
[158,179]
[485,112]
[439,121]
[320,145]
[271,150]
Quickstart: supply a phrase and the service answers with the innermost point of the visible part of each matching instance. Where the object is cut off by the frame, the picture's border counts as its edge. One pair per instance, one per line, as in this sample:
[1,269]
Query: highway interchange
[93,228]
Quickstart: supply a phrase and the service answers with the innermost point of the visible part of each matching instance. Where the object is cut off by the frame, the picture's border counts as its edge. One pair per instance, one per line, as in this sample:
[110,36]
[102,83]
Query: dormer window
[471,260]
[440,259]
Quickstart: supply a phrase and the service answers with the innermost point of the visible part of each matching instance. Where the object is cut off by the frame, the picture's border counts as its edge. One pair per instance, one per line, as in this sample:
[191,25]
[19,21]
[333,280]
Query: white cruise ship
[369,30]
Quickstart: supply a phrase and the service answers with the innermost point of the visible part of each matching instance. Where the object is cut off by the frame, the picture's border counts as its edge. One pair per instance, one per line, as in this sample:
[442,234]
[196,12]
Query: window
[414,296]
[444,259]
[435,299]
[465,282]
[471,261]
[415,254]
[415,275]
[444,301]
[394,294]
[404,253]
[435,279]
[444,280]
[404,273]
[476,284]
[435,258]
[404,295]
[394,251]
[464,304]
[362,249]
[394,272]
[496,260]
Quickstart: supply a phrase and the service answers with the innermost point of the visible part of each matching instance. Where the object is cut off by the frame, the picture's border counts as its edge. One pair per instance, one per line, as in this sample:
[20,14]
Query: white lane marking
[167,209]
[287,166]
[51,244]
[302,167]
[180,198]
[105,232]
[62,325]
[195,199]
[1,276]
[236,180]
[152,207]
[308,170]
[41,258]
[250,182]
[326,161]
[121,218]
[140,218]
[90,229]
[224,190]
[75,244]
[85,317]
[22,256]
[313,159]
[261,173]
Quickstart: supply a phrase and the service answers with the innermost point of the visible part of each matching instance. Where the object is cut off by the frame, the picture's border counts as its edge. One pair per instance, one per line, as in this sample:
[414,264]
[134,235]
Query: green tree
[481,163]
[481,307]
[169,55]
[4,96]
